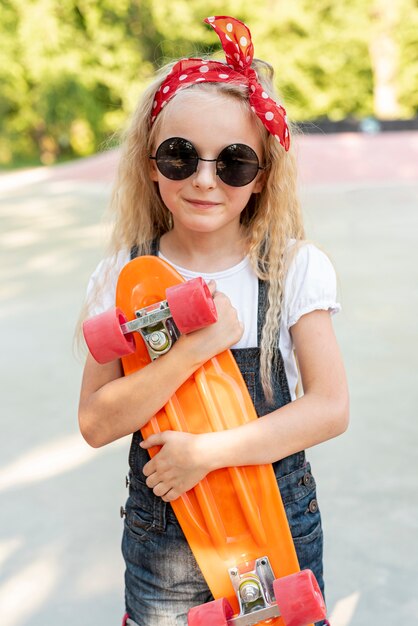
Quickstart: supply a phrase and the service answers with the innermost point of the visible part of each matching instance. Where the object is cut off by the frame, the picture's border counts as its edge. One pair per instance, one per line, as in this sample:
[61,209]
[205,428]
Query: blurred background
[70,74]
[71,71]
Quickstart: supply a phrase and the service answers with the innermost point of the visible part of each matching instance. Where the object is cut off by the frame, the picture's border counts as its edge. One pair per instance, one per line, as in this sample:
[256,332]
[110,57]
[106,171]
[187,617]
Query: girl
[207,181]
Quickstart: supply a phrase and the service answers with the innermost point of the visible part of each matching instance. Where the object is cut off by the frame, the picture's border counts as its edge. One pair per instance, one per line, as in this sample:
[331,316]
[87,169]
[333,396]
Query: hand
[221,335]
[178,466]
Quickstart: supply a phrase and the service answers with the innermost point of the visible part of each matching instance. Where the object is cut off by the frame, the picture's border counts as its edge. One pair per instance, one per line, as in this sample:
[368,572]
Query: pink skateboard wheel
[191,305]
[104,337]
[299,599]
[215,613]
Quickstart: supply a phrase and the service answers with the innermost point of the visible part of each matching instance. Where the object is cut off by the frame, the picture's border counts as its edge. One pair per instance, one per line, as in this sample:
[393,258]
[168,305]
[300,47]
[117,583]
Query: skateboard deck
[234,515]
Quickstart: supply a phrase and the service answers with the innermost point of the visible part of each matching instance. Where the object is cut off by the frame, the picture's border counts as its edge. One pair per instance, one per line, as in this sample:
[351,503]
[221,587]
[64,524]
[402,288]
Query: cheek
[168,190]
[243,197]
[260,182]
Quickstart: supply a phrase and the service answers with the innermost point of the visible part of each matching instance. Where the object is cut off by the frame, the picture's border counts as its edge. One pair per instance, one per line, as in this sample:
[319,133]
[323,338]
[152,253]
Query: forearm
[125,404]
[306,422]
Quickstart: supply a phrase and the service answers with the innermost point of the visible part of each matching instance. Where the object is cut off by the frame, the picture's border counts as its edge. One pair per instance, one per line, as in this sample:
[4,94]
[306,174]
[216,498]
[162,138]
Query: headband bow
[239,51]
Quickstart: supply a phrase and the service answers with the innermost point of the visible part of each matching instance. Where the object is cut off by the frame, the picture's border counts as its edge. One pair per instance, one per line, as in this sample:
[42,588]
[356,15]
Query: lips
[202,203]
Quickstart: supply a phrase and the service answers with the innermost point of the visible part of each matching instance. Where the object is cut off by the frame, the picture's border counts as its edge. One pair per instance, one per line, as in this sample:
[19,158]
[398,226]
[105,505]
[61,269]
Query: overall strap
[154,247]
[249,364]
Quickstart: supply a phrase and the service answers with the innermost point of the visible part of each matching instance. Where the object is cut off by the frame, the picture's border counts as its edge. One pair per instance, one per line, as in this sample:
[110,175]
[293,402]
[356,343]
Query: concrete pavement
[59,500]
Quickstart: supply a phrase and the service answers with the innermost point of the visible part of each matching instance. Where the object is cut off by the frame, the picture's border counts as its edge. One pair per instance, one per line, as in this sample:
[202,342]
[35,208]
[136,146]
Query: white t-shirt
[310,285]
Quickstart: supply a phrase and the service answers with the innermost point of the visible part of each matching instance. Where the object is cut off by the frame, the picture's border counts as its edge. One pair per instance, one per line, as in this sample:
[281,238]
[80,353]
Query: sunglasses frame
[197,158]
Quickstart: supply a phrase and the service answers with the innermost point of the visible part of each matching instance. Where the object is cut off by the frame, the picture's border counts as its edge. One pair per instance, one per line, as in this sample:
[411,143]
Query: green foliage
[71,70]
[321,57]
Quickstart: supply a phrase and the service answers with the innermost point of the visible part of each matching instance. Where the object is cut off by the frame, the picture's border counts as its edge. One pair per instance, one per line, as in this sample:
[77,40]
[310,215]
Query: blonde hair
[270,220]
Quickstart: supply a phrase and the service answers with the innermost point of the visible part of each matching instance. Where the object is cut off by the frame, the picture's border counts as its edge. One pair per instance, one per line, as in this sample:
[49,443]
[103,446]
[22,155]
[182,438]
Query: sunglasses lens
[176,158]
[237,165]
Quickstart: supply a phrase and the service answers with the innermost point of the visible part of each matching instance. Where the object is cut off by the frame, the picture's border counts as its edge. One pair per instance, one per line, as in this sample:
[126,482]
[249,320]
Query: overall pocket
[138,522]
[145,513]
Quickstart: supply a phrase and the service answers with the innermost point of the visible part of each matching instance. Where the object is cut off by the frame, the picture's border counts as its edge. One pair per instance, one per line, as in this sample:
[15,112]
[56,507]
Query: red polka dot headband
[239,51]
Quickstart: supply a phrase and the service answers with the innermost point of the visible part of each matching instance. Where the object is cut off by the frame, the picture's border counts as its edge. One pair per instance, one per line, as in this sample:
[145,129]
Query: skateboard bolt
[158,340]
[249,591]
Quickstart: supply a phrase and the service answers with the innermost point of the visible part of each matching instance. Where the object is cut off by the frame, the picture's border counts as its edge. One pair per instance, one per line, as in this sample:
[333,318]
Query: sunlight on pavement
[19,238]
[104,575]
[7,548]
[49,460]
[8,292]
[52,263]
[23,594]
[19,179]
[344,610]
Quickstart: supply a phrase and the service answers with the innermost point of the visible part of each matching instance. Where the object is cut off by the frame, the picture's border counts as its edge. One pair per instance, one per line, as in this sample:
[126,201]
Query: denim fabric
[162,578]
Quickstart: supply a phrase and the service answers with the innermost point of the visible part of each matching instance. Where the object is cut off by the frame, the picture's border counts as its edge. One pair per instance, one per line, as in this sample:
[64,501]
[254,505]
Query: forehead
[207,117]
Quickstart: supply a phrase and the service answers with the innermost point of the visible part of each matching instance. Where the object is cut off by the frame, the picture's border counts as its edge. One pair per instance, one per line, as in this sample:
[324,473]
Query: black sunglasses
[236,165]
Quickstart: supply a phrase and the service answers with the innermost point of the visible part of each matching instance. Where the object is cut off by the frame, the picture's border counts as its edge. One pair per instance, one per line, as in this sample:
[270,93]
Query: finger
[152,481]
[161,490]
[148,468]
[212,286]
[152,440]
[171,495]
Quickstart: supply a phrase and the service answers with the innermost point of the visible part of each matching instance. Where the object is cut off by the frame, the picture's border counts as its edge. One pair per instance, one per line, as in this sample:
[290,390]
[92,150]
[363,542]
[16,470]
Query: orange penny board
[233,515]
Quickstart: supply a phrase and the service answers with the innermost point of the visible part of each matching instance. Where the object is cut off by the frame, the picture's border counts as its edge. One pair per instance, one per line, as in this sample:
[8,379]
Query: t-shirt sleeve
[101,288]
[311,284]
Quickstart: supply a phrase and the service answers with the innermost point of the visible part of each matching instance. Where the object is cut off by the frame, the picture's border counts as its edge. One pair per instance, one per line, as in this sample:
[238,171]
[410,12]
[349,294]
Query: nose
[205,174]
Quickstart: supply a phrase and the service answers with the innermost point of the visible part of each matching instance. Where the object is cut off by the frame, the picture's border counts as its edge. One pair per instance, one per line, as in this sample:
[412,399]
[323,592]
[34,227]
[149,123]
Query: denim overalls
[162,578]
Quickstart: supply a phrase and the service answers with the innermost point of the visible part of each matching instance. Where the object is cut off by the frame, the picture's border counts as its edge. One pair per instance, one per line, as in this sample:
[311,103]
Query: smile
[202,203]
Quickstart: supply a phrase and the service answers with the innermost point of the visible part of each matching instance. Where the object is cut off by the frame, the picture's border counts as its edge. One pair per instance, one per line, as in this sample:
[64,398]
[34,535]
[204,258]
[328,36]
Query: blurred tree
[320,55]
[384,54]
[406,37]
[71,70]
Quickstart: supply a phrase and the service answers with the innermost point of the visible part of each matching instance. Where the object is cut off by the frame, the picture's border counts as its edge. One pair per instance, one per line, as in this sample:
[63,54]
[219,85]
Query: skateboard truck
[157,327]
[253,586]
